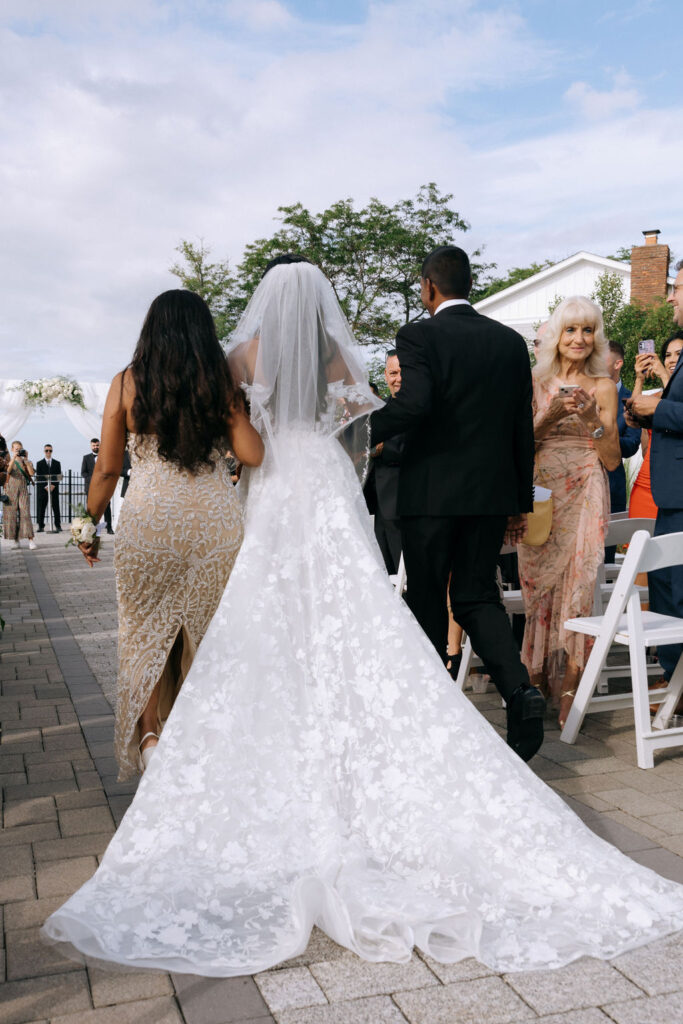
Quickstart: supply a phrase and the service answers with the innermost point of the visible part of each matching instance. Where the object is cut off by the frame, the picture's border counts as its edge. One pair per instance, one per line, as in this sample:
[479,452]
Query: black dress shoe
[58,529]
[41,529]
[525,713]
[109,530]
[454,667]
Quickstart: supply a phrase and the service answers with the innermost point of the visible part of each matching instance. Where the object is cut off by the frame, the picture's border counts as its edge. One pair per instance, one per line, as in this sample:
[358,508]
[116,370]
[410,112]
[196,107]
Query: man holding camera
[48,479]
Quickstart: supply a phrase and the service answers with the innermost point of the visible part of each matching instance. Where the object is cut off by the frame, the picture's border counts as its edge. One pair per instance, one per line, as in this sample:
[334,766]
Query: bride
[318,766]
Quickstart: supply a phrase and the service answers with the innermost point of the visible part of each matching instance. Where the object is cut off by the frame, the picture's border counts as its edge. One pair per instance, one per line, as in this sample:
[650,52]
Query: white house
[525,304]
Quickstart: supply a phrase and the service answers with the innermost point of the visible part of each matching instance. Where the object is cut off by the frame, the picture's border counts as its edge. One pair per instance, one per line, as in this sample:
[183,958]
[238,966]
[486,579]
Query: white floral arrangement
[49,390]
[83,528]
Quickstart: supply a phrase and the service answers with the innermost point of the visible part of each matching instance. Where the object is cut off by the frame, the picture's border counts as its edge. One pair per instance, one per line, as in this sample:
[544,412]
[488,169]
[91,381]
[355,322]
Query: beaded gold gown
[177,538]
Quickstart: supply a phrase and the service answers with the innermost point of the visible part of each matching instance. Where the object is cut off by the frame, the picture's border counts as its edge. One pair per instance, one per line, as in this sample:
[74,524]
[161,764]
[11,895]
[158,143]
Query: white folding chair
[627,624]
[619,531]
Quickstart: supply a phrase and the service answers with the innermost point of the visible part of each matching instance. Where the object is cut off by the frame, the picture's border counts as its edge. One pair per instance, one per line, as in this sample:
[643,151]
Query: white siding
[529,305]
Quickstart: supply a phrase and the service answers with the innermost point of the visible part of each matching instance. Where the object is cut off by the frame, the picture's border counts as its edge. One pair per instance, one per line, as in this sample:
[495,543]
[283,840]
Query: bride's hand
[90,551]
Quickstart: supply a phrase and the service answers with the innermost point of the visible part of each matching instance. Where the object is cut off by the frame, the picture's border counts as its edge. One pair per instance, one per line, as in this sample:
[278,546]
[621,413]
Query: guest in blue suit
[629,437]
[664,414]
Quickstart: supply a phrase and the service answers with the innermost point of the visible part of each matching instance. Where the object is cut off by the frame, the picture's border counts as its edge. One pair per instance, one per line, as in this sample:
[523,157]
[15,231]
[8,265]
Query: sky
[131,125]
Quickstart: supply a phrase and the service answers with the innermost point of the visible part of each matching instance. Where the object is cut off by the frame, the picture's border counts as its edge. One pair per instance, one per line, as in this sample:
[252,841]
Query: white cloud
[597,104]
[261,15]
[121,139]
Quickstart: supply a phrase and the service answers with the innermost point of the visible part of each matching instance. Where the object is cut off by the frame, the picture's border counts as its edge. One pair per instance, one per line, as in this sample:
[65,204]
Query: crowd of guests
[582,434]
[585,423]
[18,474]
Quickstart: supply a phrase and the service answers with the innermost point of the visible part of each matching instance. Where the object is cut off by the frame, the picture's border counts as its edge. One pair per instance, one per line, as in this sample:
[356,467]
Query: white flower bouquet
[83,529]
[51,390]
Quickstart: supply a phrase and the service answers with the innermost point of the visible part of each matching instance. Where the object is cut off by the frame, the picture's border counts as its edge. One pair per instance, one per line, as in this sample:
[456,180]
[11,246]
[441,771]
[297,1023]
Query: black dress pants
[388,535]
[466,548]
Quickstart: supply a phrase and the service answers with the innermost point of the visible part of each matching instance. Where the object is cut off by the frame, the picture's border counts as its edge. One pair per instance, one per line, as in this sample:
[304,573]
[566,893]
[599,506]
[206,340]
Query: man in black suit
[381,487]
[663,414]
[466,479]
[48,477]
[87,470]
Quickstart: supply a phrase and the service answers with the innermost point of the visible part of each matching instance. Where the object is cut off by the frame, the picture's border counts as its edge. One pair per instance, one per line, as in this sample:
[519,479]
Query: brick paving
[61,803]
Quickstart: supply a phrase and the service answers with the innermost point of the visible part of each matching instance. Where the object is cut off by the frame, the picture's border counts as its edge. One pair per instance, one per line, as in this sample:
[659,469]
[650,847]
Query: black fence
[71,494]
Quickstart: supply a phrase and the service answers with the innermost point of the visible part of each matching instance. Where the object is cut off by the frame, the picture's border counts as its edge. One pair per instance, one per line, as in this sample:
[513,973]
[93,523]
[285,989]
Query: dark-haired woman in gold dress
[180,528]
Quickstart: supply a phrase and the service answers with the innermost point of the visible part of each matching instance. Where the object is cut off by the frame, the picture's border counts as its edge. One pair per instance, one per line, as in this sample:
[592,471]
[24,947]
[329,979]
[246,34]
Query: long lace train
[319,767]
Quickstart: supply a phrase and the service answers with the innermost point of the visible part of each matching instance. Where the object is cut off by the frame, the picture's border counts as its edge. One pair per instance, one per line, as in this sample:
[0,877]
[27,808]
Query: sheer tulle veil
[302,368]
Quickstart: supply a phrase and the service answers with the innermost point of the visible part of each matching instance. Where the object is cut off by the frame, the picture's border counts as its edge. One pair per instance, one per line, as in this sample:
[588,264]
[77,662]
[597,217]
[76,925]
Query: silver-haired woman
[577,441]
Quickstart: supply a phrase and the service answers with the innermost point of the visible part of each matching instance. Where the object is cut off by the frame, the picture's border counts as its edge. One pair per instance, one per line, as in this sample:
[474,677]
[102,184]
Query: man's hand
[516,529]
[377,450]
[644,405]
[638,411]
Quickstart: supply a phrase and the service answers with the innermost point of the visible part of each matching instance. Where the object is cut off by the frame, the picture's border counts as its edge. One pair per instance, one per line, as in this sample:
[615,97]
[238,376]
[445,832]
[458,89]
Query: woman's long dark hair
[184,391]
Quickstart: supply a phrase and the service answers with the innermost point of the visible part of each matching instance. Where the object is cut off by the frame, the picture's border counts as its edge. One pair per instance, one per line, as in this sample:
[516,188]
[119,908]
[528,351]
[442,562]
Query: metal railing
[71,494]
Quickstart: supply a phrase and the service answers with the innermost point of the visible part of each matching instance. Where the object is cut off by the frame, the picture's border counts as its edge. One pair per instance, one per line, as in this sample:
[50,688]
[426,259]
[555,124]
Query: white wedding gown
[320,767]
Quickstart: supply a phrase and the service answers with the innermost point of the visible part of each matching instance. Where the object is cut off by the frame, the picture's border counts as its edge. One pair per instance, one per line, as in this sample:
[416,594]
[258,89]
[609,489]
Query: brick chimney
[649,270]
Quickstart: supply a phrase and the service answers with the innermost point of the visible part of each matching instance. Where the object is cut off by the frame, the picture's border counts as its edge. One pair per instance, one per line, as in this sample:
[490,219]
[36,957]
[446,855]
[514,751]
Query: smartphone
[646,345]
[567,390]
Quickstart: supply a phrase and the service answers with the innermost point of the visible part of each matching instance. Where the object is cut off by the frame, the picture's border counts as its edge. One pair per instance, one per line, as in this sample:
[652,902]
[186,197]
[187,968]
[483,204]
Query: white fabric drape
[88,421]
[13,412]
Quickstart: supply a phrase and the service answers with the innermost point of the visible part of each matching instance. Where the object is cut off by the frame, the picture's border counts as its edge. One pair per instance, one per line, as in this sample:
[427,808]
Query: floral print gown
[558,578]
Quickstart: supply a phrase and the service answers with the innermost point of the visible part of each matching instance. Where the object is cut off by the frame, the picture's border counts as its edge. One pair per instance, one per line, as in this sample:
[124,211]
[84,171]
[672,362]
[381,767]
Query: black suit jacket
[381,487]
[629,442]
[42,472]
[666,454]
[87,470]
[465,405]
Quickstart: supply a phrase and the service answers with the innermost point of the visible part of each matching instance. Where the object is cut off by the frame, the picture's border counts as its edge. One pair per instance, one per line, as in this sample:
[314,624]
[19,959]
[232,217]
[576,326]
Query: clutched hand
[516,529]
[90,551]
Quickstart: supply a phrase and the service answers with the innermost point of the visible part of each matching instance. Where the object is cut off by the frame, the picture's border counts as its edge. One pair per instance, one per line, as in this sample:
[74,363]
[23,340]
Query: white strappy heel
[145,755]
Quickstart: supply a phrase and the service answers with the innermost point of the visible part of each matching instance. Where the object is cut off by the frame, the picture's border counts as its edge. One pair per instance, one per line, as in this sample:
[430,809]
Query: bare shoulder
[605,387]
[606,393]
[123,387]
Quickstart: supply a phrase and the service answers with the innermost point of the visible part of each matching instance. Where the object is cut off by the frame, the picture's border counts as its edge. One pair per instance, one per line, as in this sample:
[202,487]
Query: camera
[22,452]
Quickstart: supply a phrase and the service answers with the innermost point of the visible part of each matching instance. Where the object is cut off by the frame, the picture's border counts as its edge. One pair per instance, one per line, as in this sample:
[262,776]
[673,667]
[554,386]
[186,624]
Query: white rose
[88,532]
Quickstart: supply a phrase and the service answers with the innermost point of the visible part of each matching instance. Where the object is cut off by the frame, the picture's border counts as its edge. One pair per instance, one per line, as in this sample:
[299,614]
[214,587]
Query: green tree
[623,253]
[514,276]
[375,366]
[609,295]
[214,282]
[634,322]
[372,256]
